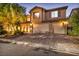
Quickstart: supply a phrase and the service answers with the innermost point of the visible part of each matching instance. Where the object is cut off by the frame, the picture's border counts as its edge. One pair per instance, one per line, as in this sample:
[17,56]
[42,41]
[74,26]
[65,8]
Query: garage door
[58,29]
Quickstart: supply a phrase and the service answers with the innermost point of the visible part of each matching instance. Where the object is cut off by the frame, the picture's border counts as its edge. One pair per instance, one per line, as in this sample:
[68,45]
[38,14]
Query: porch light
[61,24]
[66,23]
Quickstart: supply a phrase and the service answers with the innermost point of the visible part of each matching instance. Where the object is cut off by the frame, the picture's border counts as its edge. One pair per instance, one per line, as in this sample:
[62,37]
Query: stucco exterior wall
[41,16]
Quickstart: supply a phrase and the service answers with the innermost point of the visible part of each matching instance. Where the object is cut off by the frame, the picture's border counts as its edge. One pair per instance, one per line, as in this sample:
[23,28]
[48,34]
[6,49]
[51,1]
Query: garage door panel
[58,28]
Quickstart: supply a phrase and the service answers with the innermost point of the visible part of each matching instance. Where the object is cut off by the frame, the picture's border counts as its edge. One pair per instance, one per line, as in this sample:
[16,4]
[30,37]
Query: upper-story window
[28,19]
[54,14]
[36,15]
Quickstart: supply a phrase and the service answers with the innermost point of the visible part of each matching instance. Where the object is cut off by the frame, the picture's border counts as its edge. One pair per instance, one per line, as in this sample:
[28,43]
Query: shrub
[74,22]
[2,31]
[18,32]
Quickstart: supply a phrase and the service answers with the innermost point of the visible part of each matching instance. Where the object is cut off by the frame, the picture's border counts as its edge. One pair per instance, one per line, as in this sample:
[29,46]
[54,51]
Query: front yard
[60,43]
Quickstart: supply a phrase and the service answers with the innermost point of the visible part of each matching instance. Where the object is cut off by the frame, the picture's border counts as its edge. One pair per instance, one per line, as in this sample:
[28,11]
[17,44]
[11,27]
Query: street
[9,49]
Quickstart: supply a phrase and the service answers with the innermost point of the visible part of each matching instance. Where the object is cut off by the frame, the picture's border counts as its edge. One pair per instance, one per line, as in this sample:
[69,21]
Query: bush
[2,31]
[18,32]
[73,33]
[74,22]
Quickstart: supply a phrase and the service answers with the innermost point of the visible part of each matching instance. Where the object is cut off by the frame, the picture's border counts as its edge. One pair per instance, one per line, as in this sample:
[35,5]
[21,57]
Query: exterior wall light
[65,23]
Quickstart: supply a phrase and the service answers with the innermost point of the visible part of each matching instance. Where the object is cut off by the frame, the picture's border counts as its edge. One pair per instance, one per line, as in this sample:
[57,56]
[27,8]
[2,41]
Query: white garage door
[41,28]
[58,28]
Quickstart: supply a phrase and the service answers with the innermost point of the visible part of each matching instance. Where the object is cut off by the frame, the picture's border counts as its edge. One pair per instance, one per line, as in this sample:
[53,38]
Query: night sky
[29,6]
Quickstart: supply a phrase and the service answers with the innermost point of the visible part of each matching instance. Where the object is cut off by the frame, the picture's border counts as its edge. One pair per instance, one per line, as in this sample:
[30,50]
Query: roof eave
[65,7]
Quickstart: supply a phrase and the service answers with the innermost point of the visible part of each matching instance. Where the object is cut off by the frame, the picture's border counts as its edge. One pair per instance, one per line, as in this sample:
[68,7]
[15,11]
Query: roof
[73,10]
[54,20]
[64,7]
[37,7]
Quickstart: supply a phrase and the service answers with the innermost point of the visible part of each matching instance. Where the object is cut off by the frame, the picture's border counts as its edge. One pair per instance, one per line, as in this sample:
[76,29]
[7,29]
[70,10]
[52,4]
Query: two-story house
[43,20]
[49,21]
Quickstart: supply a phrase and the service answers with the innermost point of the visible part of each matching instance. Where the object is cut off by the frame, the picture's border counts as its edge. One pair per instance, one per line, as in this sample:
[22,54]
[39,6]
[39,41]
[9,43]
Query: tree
[10,13]
[74,22]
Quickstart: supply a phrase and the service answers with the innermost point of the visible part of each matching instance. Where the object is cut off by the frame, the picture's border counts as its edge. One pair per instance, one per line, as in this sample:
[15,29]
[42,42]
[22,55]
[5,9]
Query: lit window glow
[28,30]
[18,28]
[31,24]
[37,15]
[25,29]
[28,19]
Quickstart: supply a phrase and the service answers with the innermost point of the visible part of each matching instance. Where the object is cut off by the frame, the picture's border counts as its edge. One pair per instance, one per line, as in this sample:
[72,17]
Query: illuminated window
[22,29]
[25,29]
[36,14]
[18,28]
[54,14]
[28,29]
[31,24]
[28,19]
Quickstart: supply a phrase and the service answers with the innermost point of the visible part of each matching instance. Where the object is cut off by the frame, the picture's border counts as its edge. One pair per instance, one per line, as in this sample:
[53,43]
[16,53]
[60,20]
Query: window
[28,19]
[36,15]
[54,14]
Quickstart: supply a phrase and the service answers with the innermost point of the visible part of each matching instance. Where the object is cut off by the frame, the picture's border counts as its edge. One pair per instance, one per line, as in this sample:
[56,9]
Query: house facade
[41,20]
[49,21]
